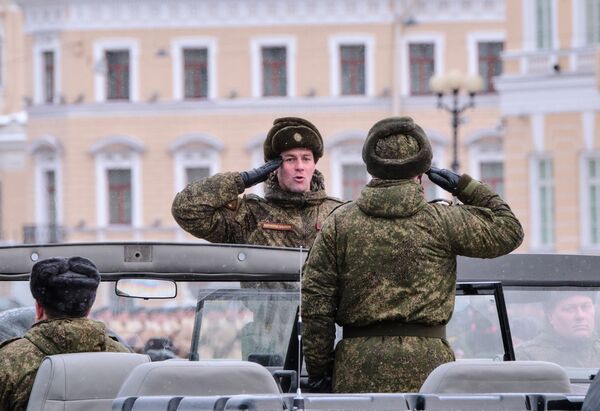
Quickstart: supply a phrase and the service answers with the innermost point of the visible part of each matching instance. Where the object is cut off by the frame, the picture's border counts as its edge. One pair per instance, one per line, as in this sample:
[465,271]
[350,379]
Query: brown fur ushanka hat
[292,132]
[401,166]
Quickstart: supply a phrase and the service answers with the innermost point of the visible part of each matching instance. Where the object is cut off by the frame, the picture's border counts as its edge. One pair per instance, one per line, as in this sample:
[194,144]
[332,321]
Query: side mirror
[148,289]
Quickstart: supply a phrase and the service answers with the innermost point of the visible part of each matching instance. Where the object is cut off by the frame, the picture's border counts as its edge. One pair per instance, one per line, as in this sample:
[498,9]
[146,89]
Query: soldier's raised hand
[260,174]
[444,178]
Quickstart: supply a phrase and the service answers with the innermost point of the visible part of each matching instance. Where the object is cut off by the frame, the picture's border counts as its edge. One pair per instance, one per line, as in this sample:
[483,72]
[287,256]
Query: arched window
[486,158]
[196,156]
[46,152]
[118,183]
[348,171]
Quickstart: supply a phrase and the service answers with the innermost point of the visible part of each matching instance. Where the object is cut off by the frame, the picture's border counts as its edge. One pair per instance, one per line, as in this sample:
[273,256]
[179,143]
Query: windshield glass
[474,329]
[556,324]
[232,322]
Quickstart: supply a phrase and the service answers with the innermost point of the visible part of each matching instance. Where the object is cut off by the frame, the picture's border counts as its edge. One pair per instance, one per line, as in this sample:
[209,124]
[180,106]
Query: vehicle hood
[391,198]
[68,335]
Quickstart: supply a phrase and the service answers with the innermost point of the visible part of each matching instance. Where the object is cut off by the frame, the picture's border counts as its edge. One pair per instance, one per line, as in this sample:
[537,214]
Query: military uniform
[549,346]
[211,209]
[387,263]
[20,358]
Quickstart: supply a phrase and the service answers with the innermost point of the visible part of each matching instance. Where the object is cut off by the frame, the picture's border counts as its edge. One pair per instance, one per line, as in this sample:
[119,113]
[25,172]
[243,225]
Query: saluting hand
[444,178]
[260,174]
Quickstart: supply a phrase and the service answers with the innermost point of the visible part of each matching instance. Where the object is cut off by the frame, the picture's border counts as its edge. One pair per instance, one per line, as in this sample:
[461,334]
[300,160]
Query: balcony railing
[576,60]
[40,234]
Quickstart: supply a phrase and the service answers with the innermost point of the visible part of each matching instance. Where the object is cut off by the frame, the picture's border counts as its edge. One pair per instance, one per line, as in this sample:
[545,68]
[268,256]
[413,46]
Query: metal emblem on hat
[297,137]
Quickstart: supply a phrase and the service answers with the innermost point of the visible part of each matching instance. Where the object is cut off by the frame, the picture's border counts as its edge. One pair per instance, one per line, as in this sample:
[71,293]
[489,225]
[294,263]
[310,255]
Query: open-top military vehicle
[217,333]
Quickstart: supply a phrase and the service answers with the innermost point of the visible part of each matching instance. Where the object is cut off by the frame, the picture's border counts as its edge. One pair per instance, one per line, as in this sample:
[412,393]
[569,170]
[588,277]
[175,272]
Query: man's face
[296,171]
[574,317]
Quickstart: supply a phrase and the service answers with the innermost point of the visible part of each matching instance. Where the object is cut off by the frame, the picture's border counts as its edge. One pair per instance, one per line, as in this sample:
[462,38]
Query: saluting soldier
[290,215]
[64,291]
[384,267]
[295,203]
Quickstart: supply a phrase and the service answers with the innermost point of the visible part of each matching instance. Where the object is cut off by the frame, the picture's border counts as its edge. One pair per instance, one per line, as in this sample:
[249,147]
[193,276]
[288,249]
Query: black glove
[446,179]
[260,174]
[319,384]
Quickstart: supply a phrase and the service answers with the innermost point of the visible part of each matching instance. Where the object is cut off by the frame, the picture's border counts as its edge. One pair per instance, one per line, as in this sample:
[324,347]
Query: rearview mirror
[146,288]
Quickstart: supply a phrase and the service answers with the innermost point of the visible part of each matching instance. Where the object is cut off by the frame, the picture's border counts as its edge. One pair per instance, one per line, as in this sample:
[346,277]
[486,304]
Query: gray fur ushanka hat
[412,153]
[292,132]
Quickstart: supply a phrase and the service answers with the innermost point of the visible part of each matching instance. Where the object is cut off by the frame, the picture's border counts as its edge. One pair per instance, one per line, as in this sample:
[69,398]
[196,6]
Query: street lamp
[452,83]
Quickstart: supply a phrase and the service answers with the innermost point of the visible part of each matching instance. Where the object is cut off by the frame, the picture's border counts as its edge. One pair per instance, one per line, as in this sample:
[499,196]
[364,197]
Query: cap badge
[297,137]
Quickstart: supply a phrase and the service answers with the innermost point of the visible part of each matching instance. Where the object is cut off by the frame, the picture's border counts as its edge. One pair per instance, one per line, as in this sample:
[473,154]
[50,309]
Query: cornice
[238,106]
[77,15]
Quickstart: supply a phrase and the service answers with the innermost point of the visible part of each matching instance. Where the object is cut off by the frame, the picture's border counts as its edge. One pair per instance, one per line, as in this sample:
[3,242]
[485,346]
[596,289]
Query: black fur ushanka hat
[65,285]
[401,166]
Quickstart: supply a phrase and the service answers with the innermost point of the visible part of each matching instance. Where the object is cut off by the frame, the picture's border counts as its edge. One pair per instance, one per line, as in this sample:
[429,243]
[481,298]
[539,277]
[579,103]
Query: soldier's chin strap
[298,403]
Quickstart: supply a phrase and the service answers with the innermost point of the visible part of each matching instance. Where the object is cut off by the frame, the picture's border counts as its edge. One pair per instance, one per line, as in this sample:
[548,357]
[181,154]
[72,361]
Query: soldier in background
[384,267]
[64,291]
[295,203]
[568,337]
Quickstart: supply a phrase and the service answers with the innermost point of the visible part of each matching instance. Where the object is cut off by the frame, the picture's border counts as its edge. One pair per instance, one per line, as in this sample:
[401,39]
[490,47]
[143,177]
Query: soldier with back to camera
[384,267]
[64,290]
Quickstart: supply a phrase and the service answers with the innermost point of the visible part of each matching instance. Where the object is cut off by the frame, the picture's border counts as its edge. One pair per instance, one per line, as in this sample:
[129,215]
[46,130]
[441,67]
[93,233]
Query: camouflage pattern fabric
[20,358]
[391,256]
[549,346]
[211,209]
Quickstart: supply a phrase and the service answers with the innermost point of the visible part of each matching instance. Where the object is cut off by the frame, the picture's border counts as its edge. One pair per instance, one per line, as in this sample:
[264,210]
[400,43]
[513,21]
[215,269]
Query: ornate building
[126,101]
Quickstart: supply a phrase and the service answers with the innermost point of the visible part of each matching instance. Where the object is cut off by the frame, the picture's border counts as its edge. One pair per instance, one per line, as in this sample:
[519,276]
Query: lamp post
[452,83]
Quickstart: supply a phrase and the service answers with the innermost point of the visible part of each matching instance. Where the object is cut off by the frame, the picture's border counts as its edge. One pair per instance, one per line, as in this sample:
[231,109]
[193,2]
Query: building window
[592,15]
[422,66]
[119,196]
[274,69]
[117,75]
[354,178]
[543,16]
[50,183]
[492,174]
[47,171]
[545,204]
[196,156]
[193,174]
[591,203]
[490,63]
[195,72]
[1,71]
[352,62]
[48,73]
[118,186]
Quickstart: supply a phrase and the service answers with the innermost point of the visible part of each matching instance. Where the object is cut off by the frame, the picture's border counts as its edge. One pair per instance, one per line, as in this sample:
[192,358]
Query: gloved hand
[319,384]
[260,174]
[446,179]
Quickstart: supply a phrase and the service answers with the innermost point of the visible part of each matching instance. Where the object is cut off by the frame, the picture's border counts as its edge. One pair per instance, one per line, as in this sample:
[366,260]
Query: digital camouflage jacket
[211,209]
[20,358]
[391,256]
[549,346]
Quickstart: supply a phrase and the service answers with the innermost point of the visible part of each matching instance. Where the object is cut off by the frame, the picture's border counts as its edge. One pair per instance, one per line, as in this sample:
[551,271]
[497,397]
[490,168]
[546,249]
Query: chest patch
[266,225]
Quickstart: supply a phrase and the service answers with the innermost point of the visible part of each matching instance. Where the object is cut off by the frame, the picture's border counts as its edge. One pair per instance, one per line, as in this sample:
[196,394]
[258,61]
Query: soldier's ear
[40,314]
